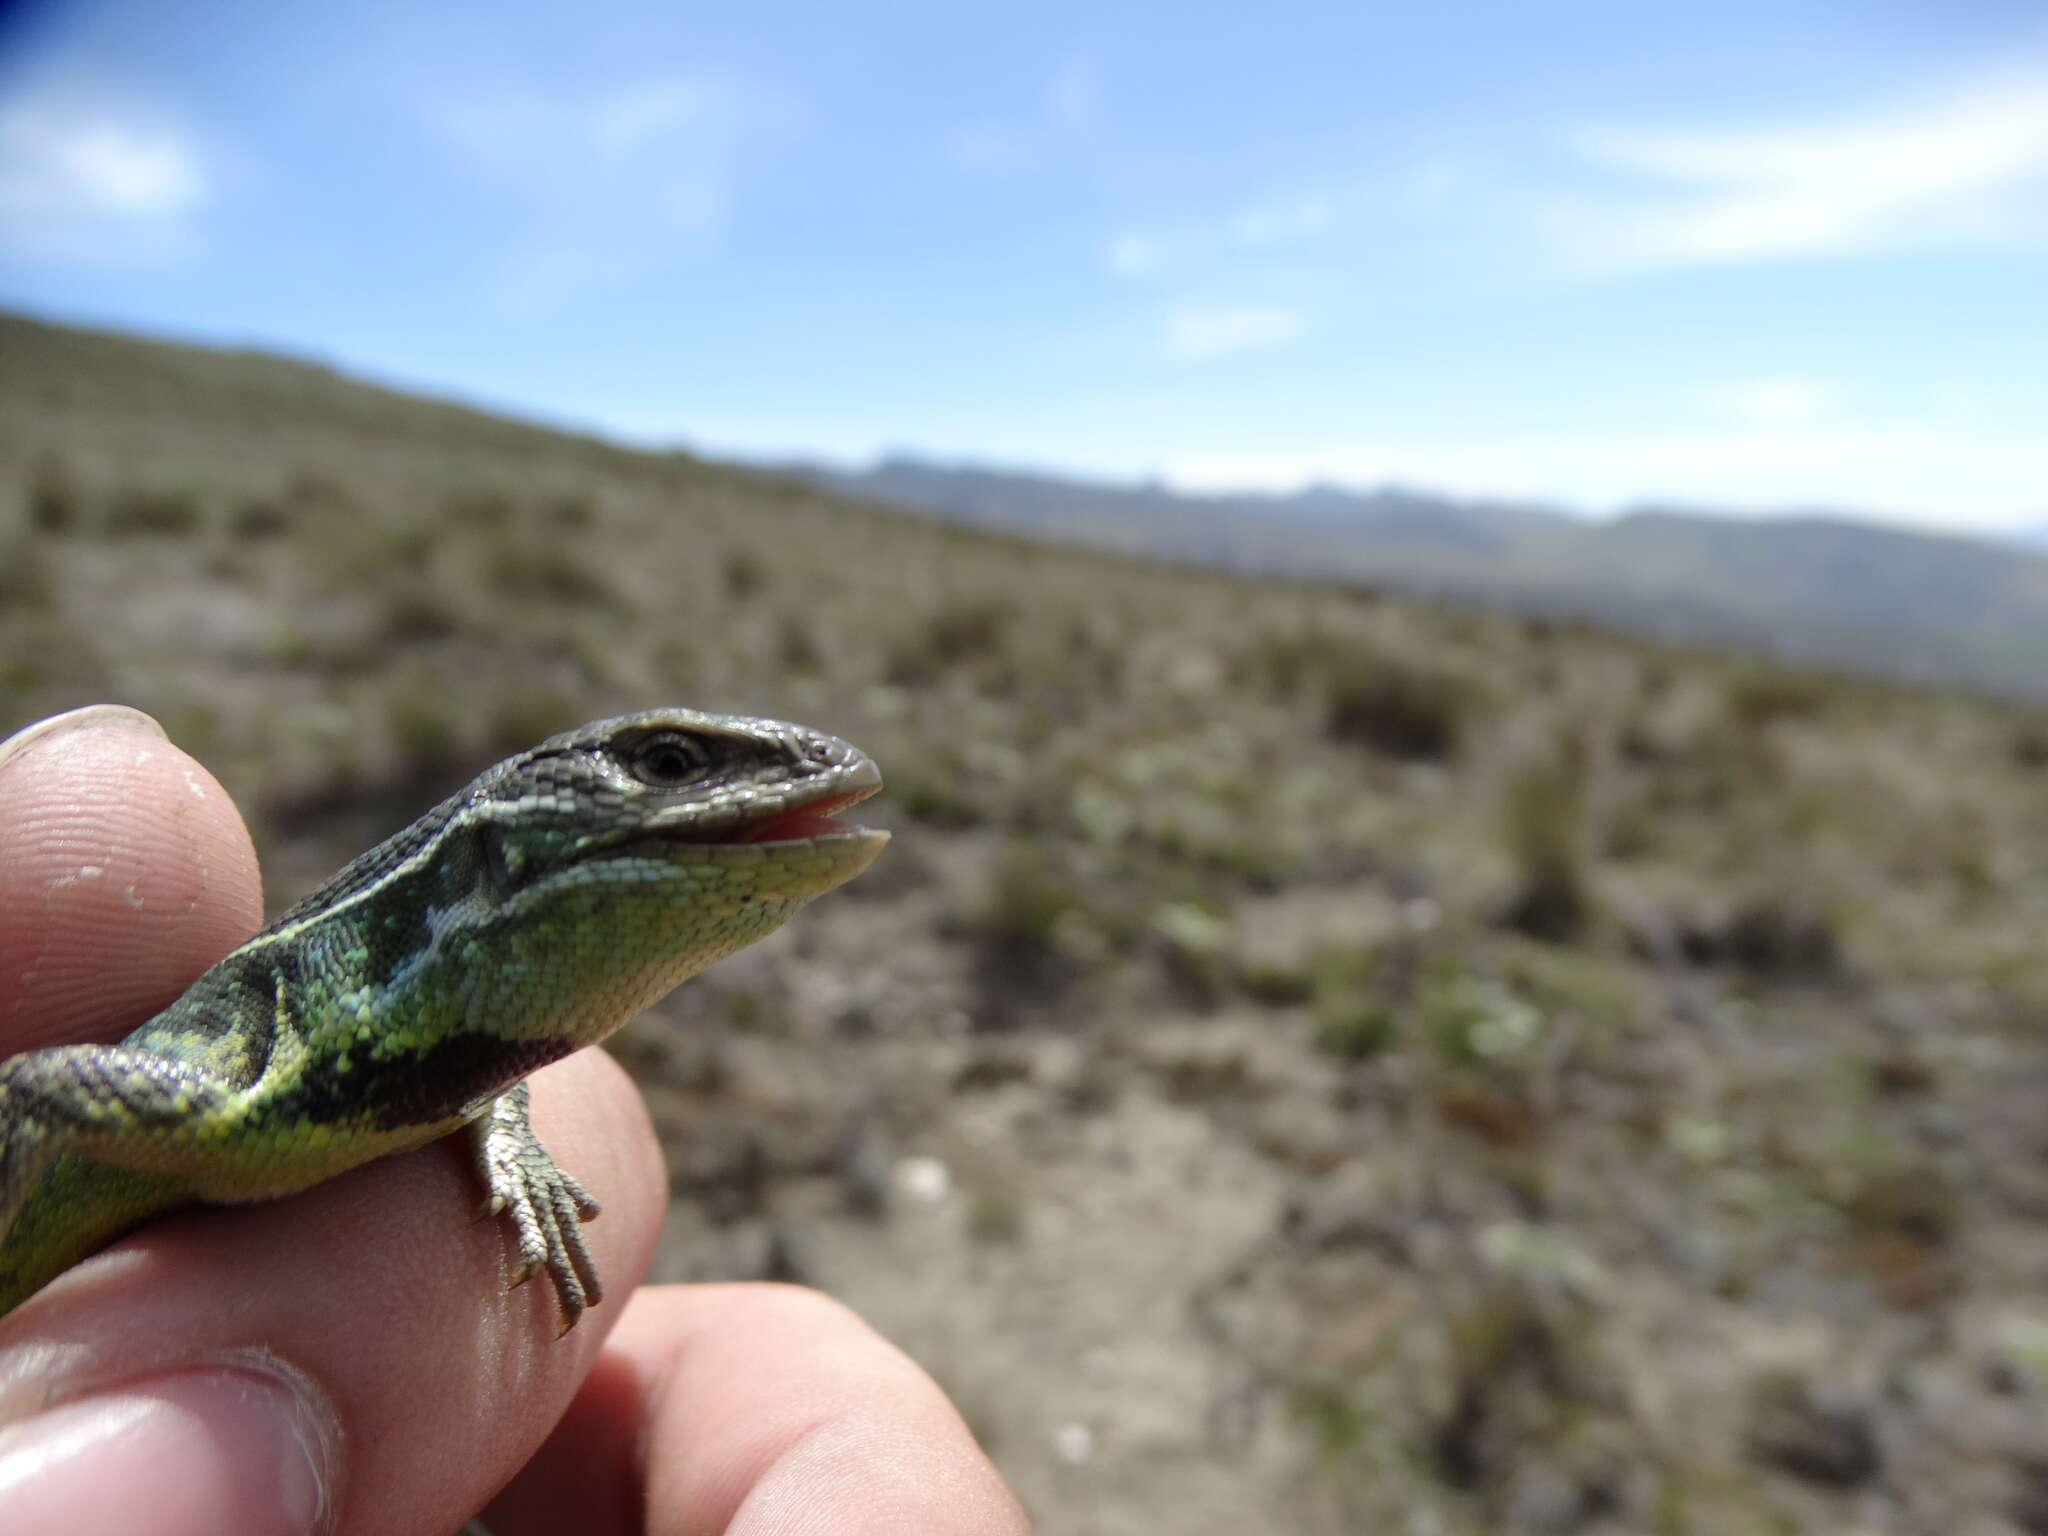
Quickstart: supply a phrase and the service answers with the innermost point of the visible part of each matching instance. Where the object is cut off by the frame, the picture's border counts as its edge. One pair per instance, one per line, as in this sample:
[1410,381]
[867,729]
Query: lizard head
[612,862]
[578,881]
[730,806]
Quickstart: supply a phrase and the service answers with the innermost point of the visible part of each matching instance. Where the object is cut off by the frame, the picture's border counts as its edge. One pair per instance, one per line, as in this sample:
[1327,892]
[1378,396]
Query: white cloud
[640,117]
[992,148]
[1962,169]
[1282,220]
[88,175]
[1195,332]
[1970,168]
[1261,224]
[1771,402]
[607,187]
[1132,253]
[664,146]
[1074,98]
[1067,110]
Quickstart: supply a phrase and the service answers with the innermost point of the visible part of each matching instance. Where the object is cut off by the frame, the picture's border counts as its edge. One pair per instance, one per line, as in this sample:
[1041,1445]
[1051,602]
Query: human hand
[349,1360]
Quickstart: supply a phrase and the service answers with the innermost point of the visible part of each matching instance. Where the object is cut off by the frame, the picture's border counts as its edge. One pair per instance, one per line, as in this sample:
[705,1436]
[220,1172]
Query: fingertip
[38,734]
[125,871]
[770,1399]
[240,1442]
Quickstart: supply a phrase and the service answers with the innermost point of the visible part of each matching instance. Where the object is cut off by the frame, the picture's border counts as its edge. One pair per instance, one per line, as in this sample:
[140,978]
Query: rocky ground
[1310,1062]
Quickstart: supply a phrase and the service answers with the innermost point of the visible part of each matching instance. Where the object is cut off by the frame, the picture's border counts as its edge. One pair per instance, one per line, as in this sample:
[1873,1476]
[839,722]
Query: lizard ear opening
[500,861]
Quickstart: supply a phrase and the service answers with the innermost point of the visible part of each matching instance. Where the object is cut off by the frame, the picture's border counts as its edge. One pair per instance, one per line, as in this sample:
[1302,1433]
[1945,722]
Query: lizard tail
[74,1210]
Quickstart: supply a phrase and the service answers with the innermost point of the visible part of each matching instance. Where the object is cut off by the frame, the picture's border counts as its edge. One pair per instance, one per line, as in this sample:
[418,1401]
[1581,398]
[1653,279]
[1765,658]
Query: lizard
[531,914]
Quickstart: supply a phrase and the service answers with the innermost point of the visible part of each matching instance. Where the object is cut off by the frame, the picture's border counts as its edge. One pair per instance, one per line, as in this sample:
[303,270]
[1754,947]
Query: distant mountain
[1821,589]
[1258,532]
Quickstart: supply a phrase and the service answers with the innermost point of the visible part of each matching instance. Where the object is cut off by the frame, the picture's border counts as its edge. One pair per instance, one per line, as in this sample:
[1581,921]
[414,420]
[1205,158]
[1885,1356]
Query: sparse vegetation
[52,497]
[954,634]
[1546,835]
[1403,1067]
[1403,711]
[152,510]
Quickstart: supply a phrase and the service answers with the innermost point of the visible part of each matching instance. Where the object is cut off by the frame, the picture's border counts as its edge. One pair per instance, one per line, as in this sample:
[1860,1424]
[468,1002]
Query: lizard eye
[668,758]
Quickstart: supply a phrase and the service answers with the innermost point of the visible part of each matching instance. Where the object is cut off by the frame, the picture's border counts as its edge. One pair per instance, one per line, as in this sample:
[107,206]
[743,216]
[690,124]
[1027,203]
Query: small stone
[1823,1443]
[1074,1443]
[924,1178]
[2029,1508]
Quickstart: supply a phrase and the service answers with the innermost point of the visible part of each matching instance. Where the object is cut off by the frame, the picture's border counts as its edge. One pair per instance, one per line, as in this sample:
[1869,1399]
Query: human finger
[756,1410]
[351,1359]
[124,872]
[224,1360]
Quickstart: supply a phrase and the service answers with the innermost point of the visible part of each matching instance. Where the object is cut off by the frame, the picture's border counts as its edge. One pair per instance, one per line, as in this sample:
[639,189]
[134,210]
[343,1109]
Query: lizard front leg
[546,1203]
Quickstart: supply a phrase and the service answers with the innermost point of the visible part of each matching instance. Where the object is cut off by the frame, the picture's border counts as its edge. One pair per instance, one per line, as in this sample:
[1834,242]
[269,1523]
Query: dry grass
[1655,1033]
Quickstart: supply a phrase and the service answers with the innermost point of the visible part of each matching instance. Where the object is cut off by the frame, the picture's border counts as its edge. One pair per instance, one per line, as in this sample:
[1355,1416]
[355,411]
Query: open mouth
[801,821]
[812,818]
[791,824]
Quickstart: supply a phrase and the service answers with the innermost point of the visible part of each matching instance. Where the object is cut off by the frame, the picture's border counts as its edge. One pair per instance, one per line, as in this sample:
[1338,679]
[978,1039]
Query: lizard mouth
[811,820]
[799,822]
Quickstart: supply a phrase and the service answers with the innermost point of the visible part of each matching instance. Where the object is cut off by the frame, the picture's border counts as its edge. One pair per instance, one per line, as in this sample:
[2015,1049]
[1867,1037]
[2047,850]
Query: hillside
[1312,1060]
[1809,589]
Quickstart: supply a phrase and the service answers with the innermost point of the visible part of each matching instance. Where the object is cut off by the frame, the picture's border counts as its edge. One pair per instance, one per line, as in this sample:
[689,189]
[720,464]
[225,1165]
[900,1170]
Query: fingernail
[93,717]
[247,1448]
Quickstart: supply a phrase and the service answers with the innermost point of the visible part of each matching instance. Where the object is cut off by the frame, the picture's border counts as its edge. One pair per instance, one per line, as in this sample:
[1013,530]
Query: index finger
[125,871]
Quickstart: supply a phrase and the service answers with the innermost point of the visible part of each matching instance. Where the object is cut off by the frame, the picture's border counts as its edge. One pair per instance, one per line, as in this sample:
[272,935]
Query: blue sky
[1756,255]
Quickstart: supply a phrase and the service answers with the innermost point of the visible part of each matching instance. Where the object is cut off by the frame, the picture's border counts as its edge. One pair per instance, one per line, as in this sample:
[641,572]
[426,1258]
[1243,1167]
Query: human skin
[348,1360]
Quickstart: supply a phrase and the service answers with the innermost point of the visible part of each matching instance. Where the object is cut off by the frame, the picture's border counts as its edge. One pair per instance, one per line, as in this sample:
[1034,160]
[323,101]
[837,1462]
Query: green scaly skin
[530,915]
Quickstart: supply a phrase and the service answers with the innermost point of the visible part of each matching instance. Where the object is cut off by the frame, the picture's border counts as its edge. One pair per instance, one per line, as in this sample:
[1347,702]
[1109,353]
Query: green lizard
[533,913]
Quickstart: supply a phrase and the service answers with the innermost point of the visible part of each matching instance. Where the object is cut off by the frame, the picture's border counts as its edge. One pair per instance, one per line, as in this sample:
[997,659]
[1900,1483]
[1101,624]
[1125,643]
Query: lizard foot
[547,1206]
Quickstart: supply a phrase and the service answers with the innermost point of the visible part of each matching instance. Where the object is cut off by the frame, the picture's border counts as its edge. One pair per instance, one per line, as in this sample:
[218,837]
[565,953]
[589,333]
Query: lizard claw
[545,1202]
